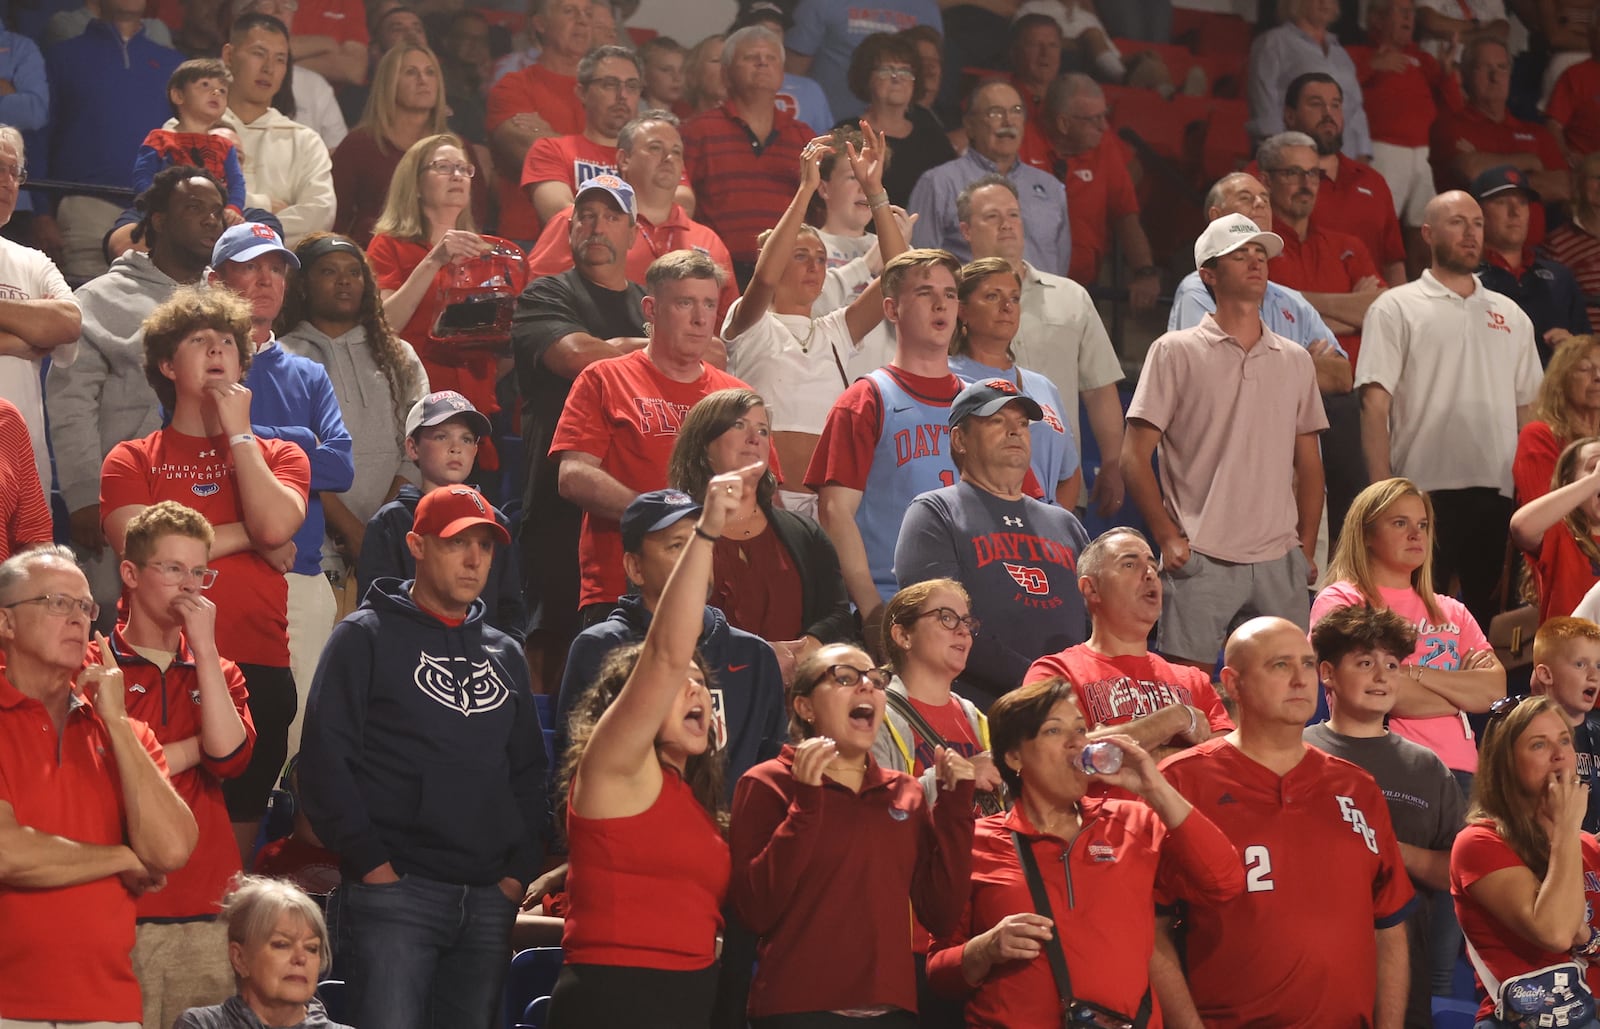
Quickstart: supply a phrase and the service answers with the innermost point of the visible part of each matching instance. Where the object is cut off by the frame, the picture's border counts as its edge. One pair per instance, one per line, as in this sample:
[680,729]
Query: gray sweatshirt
[102,398]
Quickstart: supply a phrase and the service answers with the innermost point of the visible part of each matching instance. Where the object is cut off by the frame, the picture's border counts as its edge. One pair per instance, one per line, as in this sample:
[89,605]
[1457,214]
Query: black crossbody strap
[1041,906]
[839,364]
[904,708]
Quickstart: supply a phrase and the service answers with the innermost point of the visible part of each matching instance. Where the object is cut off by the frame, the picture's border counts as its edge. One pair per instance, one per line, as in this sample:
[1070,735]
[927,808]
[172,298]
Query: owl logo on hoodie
[465,687]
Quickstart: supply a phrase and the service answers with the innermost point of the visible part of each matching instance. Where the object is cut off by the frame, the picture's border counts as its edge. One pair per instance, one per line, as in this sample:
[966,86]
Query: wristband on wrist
[878,199]
[1194,723]
[241,437]
[705,535]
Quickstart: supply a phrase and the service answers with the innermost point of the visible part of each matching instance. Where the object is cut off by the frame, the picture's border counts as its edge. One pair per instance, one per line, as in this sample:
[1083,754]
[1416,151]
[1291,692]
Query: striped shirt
[742,184]
[24,516]
[1579,250]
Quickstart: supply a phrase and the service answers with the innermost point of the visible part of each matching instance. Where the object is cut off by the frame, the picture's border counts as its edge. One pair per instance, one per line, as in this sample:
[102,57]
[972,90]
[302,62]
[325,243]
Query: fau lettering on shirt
[1118,690]
[1322,872]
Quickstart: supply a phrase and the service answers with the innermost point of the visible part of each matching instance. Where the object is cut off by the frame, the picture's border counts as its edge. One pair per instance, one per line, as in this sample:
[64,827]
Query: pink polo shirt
[1229,419]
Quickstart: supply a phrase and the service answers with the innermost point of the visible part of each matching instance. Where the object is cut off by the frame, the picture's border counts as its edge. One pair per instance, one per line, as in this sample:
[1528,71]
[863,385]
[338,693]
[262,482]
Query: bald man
[1447,374]
[1318,849]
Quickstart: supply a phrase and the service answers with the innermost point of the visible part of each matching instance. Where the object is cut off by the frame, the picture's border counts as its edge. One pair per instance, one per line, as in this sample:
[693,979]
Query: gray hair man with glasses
[1016,556]
[88,820]
[994,123]
[195,701]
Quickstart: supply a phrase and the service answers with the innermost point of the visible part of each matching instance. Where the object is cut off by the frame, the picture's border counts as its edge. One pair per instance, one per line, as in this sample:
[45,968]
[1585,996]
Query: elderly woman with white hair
[278,946]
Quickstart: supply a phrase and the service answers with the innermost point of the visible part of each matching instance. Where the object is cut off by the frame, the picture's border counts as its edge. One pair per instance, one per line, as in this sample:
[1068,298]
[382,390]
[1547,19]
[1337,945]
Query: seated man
[88,820]
[749,720]
[24,515]
[608,85]
[1573,110]
[1016,556]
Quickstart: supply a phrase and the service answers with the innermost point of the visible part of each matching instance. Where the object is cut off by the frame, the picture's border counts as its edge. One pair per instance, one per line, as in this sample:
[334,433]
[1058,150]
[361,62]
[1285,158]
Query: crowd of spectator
[479,477]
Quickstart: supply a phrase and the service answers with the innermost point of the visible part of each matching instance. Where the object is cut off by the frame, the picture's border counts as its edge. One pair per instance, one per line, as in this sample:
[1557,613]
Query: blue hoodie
[422,747]
[742,673]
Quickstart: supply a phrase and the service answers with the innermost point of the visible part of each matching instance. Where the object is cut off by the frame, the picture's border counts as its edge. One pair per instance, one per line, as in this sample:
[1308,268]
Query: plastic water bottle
[1102,758]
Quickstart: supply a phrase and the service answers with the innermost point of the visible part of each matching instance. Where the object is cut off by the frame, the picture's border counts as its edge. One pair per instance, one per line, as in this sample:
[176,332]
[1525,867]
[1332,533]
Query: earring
[649,329]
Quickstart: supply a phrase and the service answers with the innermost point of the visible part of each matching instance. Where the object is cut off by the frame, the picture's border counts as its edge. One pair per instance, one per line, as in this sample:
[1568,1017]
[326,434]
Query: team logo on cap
[1240,229]
[1001,385]
[676,498]
[473,495]
[607,180]
[450,397]
[264,231]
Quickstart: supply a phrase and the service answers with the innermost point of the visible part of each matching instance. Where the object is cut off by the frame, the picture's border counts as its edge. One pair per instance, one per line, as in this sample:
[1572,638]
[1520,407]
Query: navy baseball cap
[1496,180]
[443,406]
[652,512]
[248,241]
[987,396]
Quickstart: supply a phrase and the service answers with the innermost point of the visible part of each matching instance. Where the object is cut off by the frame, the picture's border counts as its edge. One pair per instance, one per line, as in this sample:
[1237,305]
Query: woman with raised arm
[648,862]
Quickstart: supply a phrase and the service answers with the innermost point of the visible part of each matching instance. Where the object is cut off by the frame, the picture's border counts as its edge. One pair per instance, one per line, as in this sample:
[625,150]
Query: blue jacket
[422,746]
[292,399]
[106,93]
[384,553]
[741,671]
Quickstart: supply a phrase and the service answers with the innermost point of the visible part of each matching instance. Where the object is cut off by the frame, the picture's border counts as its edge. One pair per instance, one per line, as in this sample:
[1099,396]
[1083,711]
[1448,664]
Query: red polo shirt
[66,951]
[742,184]
[1360,203]
[554,98]
[1099,193]
[1469,129]
[1402,105]
[1575,104]
[1325,261]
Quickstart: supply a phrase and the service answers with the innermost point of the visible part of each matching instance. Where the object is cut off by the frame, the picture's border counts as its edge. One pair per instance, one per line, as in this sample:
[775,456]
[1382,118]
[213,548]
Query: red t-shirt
[757,587]
[1575,105]
[1535,463]
[626,413]
[1503,951]
[65,951]
[949,720]
[252,598]
[569,159]
[24,515]
[1326,261]
[1565,574]
[344,20]
[552,96]
[1469,129]
[1401,105]
[552,254]
[1322,872]
[169,703]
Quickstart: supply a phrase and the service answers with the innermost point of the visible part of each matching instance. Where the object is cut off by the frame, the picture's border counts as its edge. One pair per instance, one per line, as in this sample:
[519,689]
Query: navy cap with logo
[987,396]
[440,407]
[652,512]
[1497,180]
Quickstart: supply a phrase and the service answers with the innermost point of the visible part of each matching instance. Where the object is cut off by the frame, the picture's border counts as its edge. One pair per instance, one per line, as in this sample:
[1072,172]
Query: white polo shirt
[1457,369]
[793,361]
[26,274]
[1061,337]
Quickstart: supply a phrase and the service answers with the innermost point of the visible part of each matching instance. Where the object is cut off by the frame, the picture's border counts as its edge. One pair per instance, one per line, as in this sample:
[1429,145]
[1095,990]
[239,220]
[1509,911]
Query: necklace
[811,330]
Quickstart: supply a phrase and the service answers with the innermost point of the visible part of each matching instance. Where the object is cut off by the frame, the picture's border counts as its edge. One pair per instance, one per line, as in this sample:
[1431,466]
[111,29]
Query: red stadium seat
[1227,143]
[1170,127]
[1208,32]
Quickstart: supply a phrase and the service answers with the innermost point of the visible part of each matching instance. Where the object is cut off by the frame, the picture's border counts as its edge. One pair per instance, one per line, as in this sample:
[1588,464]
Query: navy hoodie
[422,747]
[746,683]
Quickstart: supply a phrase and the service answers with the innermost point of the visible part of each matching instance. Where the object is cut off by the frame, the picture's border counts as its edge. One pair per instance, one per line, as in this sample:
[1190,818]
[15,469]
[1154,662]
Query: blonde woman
[1568,408]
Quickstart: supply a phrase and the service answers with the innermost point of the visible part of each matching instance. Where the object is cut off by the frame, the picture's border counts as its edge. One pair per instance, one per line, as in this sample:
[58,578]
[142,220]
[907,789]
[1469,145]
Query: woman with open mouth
[829,846]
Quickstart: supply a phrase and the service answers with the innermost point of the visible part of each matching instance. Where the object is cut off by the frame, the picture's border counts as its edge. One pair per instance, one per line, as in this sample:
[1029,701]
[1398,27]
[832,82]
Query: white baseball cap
[1229,233]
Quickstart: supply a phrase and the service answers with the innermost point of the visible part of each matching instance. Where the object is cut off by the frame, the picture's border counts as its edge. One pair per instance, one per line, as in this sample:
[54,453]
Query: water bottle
[1102,758]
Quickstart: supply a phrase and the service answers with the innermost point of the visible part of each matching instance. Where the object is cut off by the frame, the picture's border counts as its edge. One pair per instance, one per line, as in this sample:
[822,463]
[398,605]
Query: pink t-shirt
[1439,646]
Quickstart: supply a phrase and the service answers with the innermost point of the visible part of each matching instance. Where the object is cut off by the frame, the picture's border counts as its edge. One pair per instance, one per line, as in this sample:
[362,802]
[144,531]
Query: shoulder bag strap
[904,708]
[838,364]
[1041,906]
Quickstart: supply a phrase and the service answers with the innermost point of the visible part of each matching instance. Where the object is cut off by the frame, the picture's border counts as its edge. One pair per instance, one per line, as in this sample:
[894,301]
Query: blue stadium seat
[332,994]
[532,975]
[1450,1013]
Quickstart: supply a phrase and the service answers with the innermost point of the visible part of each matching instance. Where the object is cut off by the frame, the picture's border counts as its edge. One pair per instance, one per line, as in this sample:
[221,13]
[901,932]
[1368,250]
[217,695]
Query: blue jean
[422,954]
[1147,20]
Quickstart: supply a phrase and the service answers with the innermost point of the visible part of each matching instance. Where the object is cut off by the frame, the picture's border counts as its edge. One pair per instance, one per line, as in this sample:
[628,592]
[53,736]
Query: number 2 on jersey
[1257,869]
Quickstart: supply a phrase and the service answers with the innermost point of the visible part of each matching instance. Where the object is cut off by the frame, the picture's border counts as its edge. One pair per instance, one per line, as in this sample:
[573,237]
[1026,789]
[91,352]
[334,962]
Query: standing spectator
[994,122]
[27,107]
[854,258]
[1304,43]
[108,87]
[65,25]
[332,40]
[1120,686]
[1568,660]
[826,33]
[335,317]
[616,431]
[194,700]
[1544,289]
[1228,548]
[24,515]
[103,397]
[1568,408]
[1577,243]
[1572,112]
[1405,90]
[406,104]
[1035,59]
[1441,418]
[536,102]
[799,95]
[888,434]
[743,154]
[38,316]
[466,68]
[885,73]
[390,27]
[1059,335]
[1445,26]
[438,833]
[88,819]
[1557,531]
[251,489]
[306,95]
[423,241]
[1485,134]
[1017,556]
[1352,195]
[564,323]
[1323,842]
[287,169]
[661,67]
[1069,140]
[1359,651]
[703,85]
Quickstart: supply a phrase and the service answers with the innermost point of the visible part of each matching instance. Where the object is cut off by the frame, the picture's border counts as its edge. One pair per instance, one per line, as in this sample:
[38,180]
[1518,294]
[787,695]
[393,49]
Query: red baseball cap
[448,510]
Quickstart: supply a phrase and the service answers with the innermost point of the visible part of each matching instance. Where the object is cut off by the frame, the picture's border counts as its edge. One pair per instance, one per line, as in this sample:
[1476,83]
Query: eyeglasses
[451,168]
[894,73]
[612,84]
[850,676]
[1502,707]
[14,171]
[1091,119]
[1302,174]
[999,114]
[61,605]
[172,571]
[950,619]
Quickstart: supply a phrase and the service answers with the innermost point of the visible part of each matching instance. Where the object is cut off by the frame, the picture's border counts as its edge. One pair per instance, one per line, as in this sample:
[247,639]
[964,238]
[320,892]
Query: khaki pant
[84,223]
[181,965]
[312,612]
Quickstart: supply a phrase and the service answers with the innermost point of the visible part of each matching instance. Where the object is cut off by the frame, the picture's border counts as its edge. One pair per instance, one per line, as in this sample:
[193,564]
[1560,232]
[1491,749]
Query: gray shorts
[1208,598]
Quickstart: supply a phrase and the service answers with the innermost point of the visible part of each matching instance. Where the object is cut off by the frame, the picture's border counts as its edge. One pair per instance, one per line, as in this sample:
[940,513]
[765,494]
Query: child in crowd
[442,435]
[1566,668]
[1558,530]
[198,93]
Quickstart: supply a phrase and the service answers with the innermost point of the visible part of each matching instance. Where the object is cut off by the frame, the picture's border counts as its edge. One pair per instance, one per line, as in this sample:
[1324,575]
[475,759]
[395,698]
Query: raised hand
[811,156]
[867,163]
[102,684]
[811,757]
[232,403]
[199,617]
[725,493]
[950,768]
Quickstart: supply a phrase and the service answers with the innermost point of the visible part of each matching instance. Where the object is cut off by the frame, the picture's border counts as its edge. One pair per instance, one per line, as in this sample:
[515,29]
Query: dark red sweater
[823,876]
